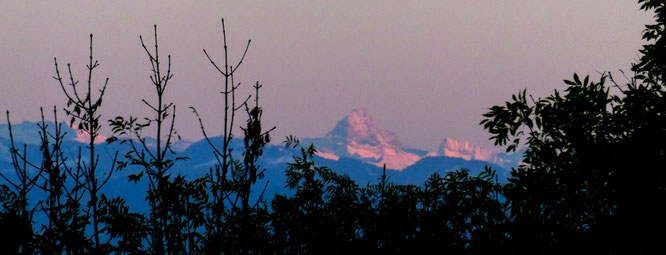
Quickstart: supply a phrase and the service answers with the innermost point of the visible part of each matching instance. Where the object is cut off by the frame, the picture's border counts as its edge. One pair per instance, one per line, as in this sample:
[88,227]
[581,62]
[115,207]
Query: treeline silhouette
[592,180]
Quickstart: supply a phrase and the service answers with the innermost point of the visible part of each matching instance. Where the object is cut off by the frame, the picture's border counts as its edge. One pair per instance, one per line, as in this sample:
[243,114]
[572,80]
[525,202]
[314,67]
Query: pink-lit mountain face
[468,151]
[356,136]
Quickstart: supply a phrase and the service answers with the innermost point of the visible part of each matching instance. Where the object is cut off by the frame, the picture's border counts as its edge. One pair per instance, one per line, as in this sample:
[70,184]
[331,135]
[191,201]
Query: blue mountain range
[355,147]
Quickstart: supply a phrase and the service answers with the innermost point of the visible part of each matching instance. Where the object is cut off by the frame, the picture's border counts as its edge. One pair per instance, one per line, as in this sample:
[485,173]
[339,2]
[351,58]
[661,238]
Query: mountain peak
[357,136]
[358,127]
[360,122]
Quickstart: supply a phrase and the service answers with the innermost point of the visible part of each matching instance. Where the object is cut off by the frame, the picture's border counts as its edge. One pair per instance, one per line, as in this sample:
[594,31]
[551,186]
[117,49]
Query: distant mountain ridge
[469,151]
[357,137]
[355,147]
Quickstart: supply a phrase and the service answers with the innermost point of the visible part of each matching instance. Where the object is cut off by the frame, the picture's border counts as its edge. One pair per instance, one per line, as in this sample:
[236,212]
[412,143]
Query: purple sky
[424,69]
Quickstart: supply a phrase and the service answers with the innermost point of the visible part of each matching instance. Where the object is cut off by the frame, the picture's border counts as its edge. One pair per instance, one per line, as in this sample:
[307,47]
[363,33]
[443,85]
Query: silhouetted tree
[175,203]
[651,67]
[389,217]
[593,176]
[301,224]
[249,222]
[127,229]
[235,224]
[462,213]
[65,226]
[53,183]
[16,212]
[330,214]
[15,229]
[82,107]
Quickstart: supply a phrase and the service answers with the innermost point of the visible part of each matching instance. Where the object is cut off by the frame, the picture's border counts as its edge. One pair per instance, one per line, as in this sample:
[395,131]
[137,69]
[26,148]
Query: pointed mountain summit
[356,136]
[358,127]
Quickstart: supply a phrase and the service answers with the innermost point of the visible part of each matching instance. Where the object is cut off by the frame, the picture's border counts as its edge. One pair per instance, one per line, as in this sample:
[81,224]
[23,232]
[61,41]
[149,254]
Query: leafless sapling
[230,179]
[167,225]
[83,108]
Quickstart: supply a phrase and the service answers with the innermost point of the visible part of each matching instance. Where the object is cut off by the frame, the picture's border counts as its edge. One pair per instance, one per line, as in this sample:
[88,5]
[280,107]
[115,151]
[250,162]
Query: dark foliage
[593,177]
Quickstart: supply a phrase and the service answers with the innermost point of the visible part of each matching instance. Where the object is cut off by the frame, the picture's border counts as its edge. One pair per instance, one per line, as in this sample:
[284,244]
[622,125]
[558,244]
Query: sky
[423,69]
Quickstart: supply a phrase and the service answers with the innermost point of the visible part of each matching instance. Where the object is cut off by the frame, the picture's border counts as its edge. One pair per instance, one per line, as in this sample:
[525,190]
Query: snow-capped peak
[356,135]
[360,122]
[466,150]
[358,127]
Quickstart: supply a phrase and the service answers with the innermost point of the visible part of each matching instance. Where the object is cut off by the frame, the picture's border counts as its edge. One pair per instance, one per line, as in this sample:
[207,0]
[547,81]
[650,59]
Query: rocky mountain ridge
[356,136]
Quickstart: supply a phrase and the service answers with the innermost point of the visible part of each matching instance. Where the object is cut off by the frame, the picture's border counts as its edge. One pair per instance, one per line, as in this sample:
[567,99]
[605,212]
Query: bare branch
[152,107]
[214,65]
[203,130]
[243,57]
[113,167]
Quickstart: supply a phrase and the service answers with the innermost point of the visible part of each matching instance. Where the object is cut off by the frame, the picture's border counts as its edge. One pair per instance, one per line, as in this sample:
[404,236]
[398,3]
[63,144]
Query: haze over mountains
[355,146]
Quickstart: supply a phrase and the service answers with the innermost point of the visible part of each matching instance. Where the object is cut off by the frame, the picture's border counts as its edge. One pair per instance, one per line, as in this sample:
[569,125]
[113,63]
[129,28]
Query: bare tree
[64,230]
[82,107]
[217,175]
[168,224]
[231,180]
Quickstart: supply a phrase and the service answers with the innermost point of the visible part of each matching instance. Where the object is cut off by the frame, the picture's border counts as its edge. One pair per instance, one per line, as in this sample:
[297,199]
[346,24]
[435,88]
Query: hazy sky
[424,69]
